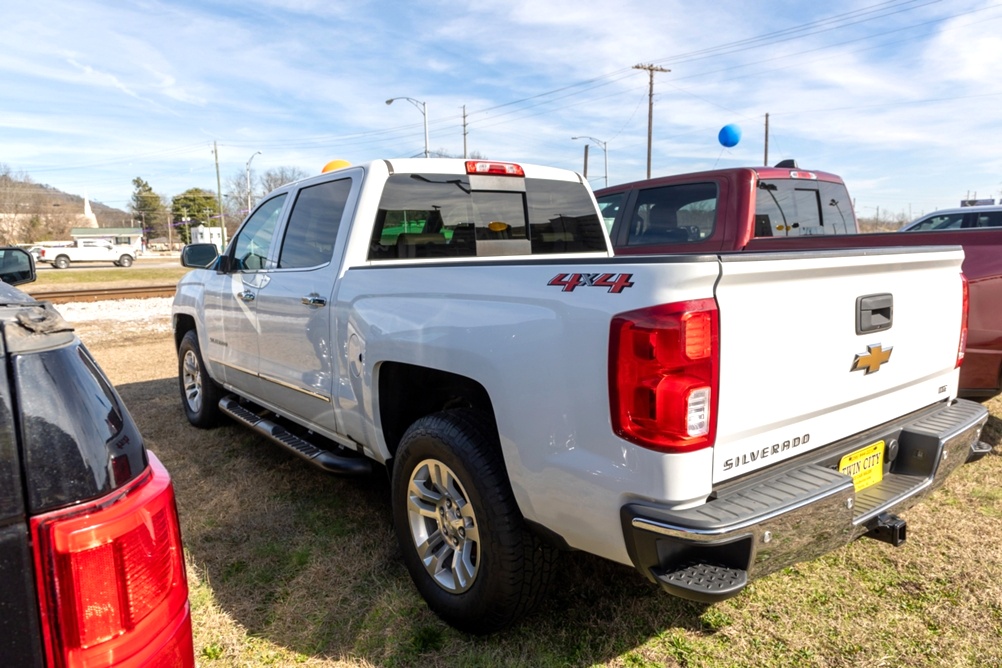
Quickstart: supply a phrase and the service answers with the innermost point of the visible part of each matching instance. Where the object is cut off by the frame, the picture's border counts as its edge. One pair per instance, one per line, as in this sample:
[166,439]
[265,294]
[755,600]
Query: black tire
[61,262]
[199,393]
[452,502]
[125,261]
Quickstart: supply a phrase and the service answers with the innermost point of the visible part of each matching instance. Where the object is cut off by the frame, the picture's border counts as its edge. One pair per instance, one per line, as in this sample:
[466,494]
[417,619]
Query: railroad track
[102,294]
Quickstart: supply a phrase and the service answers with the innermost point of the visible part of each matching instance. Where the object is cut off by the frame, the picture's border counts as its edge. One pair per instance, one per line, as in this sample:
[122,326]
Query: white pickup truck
[705,418]
[87,250]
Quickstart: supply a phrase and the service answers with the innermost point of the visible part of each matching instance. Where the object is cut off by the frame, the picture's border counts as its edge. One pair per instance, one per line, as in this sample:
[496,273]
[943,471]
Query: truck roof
[459,166]
[762,173]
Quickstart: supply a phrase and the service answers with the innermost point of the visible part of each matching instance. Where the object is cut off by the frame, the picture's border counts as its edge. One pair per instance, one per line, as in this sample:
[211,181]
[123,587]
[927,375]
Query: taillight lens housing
[963,320]
[663,375]
[111,579]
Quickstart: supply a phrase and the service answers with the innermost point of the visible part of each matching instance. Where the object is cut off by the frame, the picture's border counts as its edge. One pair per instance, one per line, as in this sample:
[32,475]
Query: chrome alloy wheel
[443,526]
[191,376]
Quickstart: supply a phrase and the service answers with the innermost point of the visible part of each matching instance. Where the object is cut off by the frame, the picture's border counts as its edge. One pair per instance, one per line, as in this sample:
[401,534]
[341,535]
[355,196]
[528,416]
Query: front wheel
[463,538]
[125,261]
[199,393]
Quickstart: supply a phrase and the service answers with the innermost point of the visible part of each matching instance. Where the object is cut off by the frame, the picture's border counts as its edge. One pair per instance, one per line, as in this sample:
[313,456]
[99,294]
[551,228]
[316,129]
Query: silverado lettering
[762,453]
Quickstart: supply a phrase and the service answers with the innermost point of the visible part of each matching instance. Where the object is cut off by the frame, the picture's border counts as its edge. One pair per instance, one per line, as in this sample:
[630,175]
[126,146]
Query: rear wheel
[463,538]
[125,261]
[61,262]
[199,393]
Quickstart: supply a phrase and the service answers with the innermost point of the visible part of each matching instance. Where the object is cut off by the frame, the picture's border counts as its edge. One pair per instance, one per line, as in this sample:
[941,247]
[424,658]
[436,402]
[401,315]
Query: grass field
[290,567]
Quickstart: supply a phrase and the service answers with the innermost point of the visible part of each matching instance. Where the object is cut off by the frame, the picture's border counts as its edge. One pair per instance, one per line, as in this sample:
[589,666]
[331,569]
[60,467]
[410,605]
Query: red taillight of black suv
[111,578]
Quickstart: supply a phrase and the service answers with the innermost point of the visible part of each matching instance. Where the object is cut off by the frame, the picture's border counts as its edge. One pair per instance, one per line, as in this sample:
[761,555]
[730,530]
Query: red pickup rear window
[798,208]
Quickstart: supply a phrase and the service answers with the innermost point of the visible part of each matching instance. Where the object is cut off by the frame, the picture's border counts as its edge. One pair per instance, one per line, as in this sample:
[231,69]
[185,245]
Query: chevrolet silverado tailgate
[818,346]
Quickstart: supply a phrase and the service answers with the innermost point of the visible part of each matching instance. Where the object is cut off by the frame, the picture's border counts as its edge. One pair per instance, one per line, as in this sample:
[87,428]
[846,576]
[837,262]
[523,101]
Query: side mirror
[17,266]
[199,256]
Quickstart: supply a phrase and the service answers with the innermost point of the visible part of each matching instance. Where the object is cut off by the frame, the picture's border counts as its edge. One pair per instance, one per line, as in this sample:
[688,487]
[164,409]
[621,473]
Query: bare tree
[23,215]
[278,177]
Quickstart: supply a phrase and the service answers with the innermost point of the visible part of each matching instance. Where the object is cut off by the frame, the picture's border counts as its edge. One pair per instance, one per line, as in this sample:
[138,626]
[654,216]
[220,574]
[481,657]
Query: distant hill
[32,212]
[49,200]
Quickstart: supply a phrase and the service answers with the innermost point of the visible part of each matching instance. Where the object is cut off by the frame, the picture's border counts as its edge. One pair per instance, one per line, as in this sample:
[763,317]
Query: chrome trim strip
[308,393]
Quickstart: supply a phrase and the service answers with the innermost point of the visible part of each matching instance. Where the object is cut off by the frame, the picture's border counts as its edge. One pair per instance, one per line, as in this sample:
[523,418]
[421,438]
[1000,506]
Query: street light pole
[605,153]
[248,182]
[423,108]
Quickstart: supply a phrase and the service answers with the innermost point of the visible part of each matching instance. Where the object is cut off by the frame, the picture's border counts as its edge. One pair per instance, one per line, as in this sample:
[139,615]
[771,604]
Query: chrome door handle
[314,300]
[246,296]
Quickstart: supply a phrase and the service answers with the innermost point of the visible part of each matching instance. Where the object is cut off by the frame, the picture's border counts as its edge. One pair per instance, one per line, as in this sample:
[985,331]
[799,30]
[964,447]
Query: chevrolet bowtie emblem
[871,360]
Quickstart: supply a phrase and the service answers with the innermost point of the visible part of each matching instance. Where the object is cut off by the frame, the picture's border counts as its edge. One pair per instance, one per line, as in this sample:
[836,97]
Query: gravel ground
[98,322]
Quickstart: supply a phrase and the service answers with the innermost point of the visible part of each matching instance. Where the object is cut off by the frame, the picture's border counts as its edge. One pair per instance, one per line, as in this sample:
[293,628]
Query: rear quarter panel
[542,354]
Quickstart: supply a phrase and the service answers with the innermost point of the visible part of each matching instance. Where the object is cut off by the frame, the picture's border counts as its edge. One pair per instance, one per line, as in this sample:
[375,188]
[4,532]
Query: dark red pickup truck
[787,208]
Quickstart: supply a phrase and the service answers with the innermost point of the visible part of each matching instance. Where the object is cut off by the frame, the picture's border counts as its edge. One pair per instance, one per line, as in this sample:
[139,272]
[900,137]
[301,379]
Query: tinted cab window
[793,208]
[313,225]
[435,215]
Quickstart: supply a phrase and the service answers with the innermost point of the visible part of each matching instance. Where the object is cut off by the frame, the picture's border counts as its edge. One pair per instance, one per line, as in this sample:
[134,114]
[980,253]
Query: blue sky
[899,97]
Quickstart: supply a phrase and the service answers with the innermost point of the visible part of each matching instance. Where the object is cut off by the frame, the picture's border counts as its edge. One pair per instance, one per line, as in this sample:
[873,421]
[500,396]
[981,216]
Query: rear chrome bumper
[798,510]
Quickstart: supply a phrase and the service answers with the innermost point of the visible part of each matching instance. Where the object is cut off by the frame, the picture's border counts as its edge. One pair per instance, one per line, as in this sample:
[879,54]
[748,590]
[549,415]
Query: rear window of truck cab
[471,215]
[797,208]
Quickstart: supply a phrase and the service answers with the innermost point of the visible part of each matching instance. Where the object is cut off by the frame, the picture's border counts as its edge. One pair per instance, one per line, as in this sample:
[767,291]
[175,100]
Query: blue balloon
[729,135]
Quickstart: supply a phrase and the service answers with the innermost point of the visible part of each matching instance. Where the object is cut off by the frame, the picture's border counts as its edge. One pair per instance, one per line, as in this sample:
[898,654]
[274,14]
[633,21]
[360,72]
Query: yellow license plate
[865,466]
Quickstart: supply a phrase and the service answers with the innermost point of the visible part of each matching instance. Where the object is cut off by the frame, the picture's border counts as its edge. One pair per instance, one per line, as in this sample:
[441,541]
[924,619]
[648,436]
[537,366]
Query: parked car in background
[88,250]
[90,544]
[733,209]
[964,217]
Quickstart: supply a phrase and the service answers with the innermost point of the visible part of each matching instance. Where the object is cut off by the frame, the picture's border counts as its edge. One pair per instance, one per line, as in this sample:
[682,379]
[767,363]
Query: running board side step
[324,459]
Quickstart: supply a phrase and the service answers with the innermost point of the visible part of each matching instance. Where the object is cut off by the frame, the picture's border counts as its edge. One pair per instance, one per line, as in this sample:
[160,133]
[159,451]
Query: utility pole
[219,196]
[651,69]
[765,159]
[586,162]
[464,131]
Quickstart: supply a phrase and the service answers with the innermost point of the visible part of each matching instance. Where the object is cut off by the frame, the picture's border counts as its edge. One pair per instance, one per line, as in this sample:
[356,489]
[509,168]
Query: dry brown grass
[288,567]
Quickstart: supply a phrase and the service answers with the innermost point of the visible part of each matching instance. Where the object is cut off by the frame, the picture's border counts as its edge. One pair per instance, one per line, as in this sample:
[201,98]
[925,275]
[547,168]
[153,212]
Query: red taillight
[963,321]
[663,375]
[111,579]
[495,168]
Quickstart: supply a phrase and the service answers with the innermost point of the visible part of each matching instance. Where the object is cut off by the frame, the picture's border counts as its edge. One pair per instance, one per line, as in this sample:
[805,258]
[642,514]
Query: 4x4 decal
[615,282]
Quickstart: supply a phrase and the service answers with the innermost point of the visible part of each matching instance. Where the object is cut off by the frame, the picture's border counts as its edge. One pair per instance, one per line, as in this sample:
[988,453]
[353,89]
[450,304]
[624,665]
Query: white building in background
[200,234]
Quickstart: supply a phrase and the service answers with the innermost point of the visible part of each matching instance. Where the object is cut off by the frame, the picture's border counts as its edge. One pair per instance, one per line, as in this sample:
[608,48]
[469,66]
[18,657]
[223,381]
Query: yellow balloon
[335,164]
